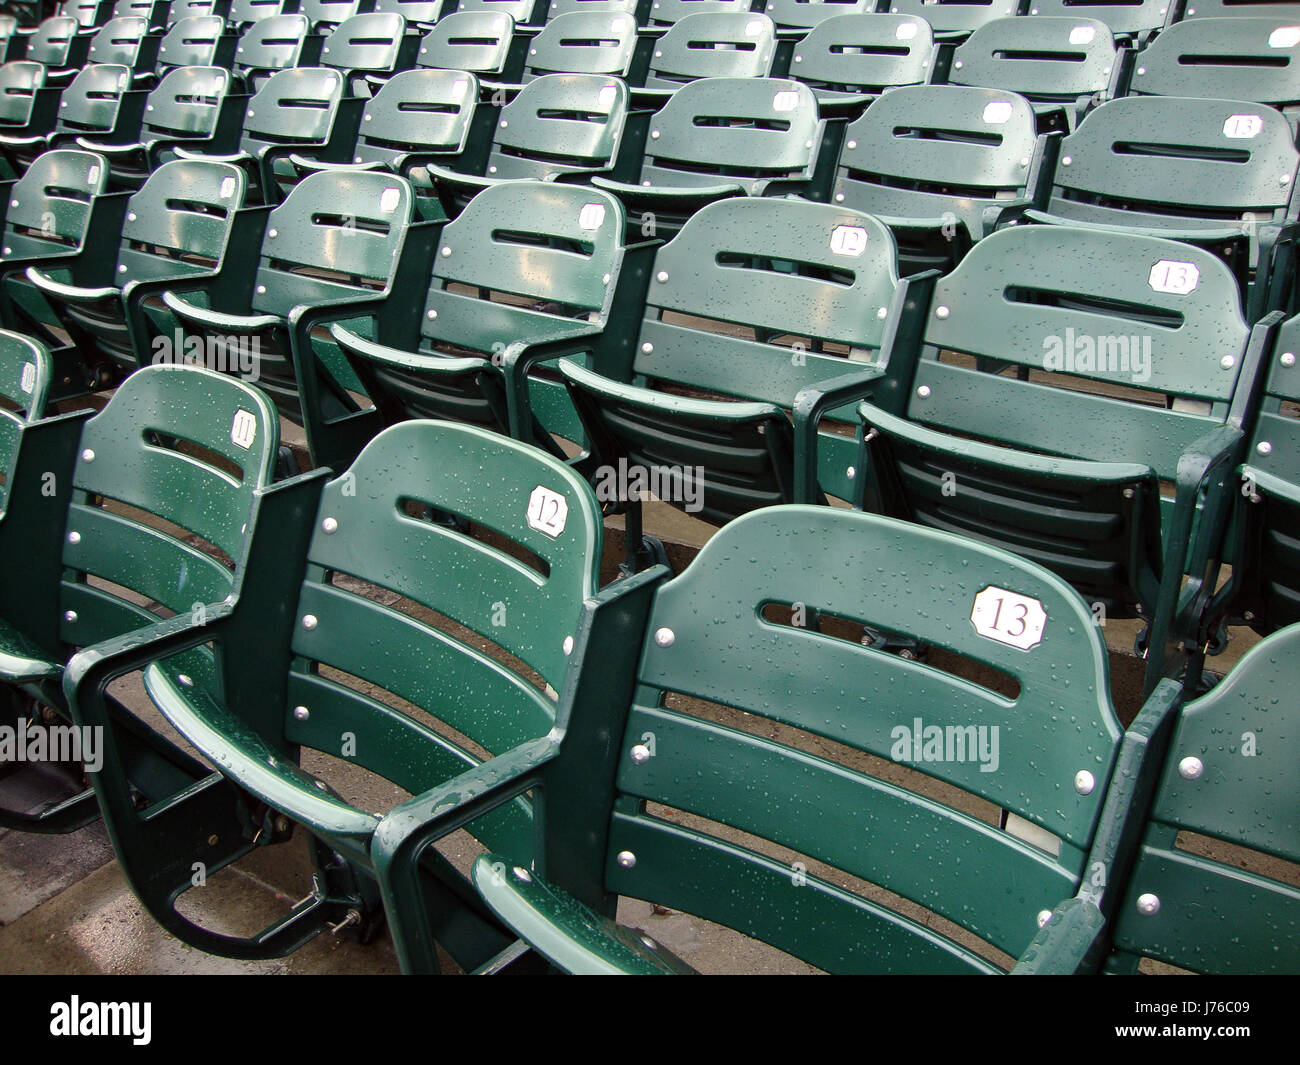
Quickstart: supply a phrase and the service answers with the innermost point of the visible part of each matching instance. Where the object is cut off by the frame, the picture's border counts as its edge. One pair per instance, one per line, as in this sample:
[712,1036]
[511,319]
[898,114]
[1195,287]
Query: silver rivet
[850,473]
[1084,782]
[492,170]
[1227,362]
[149,107]
[882,313]
[523,874]
[504,123]
[1142,70]
[661,276]
[356,158]
[658,55]
[1148,904]
[121,269]
[432,315]
[70,616]
[301,713]
[1191,767]
[1043,917]
[74,537]
[798,59]
[1284,179]
[309,621]
[1264,447]
[654,134]
[365,118]
[647,347]
[1024,161]
[185,680]
[941,312]
[445,252]
[626,859]
[1288,358]
[807,144]
[665,637]
[330,525]
[13,203]
[250,114]
[853,144]
[923,391]
[640,754]
[1128,493]
[605,279]
[839,197]
[649,942]
[568,645]
[272,233]
[87,456]
[261,290]
[532,51]
[8,251]
[957,65]
[1066,160]
[130,216]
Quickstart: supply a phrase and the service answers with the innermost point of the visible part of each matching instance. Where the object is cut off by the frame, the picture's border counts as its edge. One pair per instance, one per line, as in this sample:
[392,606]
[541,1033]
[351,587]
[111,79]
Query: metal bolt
[923,391]
[883,312]
[330,525]
[1084,782]
[1148,904]
[640,754]
[445,252]
[1191,768]
[853,144]
[654,134]
[1288,358]
[301,713]
[309,621]
[941,312]
[272,233]
[1066,160]
[1227,362]
[1285,179]
[130,216]
[662,276]
[957,65]
[664,637]
[213,840]
[1043,917]
[1264,447]
[1142,70]
[504,123]
[492,169]
[70,616]
[185,680]
[121,269]
[851,472]
[798,59]
[626,859]
[433,314]
[1128,493]
[88,455]
[74,537]
[647,347]
[261,290]
[568,645]
[839,197]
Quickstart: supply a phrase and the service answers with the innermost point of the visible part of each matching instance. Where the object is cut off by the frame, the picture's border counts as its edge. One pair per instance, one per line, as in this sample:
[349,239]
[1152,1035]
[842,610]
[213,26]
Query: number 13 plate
[1016,620]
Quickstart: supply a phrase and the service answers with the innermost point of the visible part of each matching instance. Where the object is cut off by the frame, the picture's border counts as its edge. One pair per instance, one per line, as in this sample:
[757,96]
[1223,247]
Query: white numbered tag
[1169,275]
[1016,620]
[906,31]
[244,429]
[1083,34]
[785,100]
[1242,127]
[1284,37]
[607,96]
[459,88]
[592,216]
[227,187]
[388,200]
[848,240]
[547,511]
[998,112]
[92,175]
[28,379]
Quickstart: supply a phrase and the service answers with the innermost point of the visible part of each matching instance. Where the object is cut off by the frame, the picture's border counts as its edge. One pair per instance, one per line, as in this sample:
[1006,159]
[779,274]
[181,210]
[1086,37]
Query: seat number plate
[1008,617]
[28,380]
[547,511]
[243,431]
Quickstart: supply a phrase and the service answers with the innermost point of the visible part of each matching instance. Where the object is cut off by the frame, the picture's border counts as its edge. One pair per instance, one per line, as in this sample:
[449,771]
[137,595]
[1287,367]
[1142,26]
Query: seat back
[525,579]
[582,42]
[245,13]
[20,81]
[668,12]
[1252,59]
[119,41]
[183,9]
[51,42]
[365,44]
[328,12]
[726,45]
[1125,18]
[524,12]
[864,53]
[418,111]
[192,42]
[1228,776]
[295,106]
[271,44]
[806,774]
[1268,563]
[474,41]
[49,206]
[421,13]
[92,102]
[338,233]
[805,14]
[25,372]
[144,9]
[186,104]
[1225,8]
[593,7]
[954,17]
[560,123]
[1159,162]
[1042,58]
[87,13]
[8,30]
[179,443]
[927,151]
[733,130]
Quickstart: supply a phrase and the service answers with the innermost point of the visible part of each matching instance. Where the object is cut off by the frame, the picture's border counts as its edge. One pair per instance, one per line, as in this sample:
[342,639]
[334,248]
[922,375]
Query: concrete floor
[66,908]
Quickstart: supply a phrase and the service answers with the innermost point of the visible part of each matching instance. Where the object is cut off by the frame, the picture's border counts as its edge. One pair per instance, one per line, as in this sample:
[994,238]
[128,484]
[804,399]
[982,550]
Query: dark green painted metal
[25,371]
[953,18]
[731,263]
[50,210]
[940,161]
[1214,916]
[123,41]
[1083,502]
[179,225]
[808,14]
[475,41]
[251,12]
[421,13]
[182,9]
[1225,59]
[21,85]
[668,12]
[712,45]
[581,42]
[197,41]
[849,60]
[524,12]
[365,44]
[706,637]
[635,8]
[271,44]
[55,43]
[1128,18]
[329,12]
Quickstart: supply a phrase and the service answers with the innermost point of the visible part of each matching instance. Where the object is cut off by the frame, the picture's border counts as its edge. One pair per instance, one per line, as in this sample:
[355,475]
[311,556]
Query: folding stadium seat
[245,13]
[849,60]
[1132,20]
[638,9]
[183,445]
[192,108]
[758,308]
[664,13]
[154,12]
[302,111]
[1061,376]
[794,18]
[1225,59]
[730,45]
[369,49]
[99,103]
[417,119]
[1063,66]
[940,164]
[25,372]
[197,41]
[953,19]
[57,45]
[560,125]
[1228,776]
[89,14]
[272,44]
[479,42]
[128,42]
[422,14]
[524,12]
[183,9]
[720,137]
[583,42]
[1217,173]
[339,243]
[182,225]
[1194,9]
[28,107]
[796,772]
[530,271]
[325,15]
[9,38]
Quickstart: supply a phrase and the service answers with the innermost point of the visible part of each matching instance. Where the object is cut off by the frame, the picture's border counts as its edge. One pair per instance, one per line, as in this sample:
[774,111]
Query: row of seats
[614,759]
